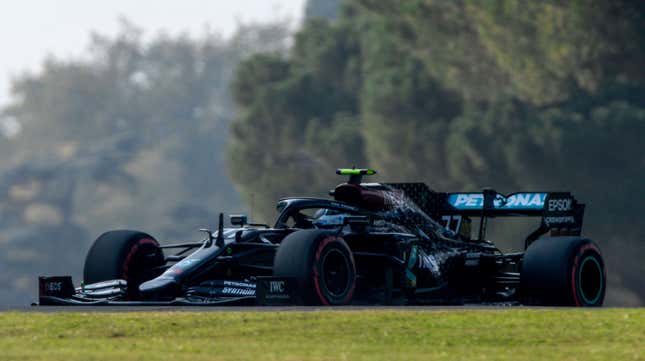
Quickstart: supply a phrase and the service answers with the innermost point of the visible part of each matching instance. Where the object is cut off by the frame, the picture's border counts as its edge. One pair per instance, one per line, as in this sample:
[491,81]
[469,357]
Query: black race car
[372,243]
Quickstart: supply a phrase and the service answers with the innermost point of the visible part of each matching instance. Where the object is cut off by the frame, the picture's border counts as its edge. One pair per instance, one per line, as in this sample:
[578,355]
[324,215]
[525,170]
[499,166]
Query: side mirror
[238,219]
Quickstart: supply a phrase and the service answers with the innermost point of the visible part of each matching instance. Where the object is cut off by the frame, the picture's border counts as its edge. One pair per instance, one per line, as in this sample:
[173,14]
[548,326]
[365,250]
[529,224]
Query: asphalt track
[81,309]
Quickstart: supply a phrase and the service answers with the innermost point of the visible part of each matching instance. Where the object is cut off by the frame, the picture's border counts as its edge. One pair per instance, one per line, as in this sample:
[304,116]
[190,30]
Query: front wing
[60,291]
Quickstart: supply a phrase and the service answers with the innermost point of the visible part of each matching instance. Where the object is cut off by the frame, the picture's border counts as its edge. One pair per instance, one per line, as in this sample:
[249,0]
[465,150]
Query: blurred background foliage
[161,135]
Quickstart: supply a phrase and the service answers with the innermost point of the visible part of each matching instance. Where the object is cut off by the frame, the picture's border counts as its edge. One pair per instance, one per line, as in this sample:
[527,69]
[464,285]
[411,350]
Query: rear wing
[560,212]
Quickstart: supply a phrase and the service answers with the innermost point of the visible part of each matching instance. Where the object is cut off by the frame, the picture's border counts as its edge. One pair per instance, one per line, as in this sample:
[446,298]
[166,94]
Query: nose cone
[160,288]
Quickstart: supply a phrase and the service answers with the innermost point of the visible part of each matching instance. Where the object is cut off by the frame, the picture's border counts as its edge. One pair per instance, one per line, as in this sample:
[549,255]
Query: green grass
[514,334]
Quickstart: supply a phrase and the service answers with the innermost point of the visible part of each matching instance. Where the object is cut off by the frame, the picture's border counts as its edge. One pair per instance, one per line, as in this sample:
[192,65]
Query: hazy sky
[32,29]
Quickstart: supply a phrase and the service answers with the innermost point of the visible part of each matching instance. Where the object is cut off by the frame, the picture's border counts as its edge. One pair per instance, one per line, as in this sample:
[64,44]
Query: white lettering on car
[560,205]
[238,291]
[559,220]
[517,200]
[54,286]
[448,222]
[276,286]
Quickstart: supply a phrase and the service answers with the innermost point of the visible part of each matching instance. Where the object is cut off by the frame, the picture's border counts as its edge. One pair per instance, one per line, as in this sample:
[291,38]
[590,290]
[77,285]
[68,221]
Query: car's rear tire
[128,255]
[563,271]
[322,265]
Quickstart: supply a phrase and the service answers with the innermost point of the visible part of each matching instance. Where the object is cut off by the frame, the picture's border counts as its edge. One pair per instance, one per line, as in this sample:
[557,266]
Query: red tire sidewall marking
[317,256]
[574,270]
[133,252]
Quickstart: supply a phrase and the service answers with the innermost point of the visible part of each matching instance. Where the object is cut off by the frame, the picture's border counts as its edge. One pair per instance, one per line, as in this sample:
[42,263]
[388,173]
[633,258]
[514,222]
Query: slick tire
[563,271]
[127,255]
[322,265]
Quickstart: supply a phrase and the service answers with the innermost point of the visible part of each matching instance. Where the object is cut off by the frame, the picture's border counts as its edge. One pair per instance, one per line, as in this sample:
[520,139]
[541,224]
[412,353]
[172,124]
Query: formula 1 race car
[372,243]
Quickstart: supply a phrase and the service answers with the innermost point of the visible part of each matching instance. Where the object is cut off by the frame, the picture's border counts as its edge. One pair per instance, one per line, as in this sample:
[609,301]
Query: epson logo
[560,205]
[276,286]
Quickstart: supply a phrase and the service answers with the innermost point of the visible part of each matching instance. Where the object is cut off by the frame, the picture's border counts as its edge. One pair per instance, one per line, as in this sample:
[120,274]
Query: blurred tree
[406,113]
[296,119]
[132,136]
[326,9]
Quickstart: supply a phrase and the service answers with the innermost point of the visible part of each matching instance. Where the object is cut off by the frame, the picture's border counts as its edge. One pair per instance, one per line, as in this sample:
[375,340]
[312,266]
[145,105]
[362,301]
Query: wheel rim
[335,271]
[590,280]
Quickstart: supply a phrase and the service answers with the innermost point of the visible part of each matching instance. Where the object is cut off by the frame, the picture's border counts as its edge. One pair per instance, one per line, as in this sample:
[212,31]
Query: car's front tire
[322,265]
[128,255]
